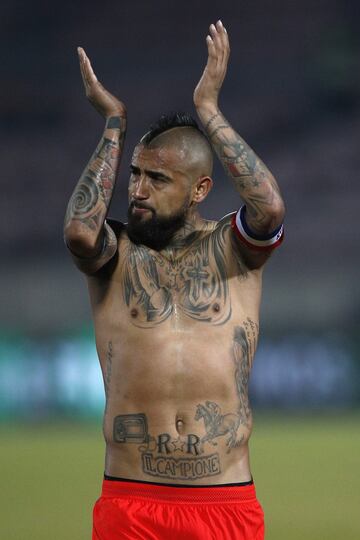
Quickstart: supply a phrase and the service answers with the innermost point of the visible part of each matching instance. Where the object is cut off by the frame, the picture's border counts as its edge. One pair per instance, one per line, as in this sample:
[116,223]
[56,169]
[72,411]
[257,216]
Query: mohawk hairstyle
[169,121]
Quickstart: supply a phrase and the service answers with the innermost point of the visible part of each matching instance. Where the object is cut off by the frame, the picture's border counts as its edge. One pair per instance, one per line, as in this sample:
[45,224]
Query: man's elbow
[80,242]
[277,213]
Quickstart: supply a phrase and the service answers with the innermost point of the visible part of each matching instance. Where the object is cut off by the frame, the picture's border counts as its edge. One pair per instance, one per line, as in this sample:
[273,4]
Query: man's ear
[201,188]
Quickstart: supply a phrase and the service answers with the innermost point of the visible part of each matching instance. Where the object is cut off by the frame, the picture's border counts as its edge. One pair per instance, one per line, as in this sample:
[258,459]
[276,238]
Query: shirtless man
[175,301]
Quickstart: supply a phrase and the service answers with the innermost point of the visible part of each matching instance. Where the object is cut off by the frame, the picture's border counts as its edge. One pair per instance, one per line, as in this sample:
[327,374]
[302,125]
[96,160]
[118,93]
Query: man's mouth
[140,208]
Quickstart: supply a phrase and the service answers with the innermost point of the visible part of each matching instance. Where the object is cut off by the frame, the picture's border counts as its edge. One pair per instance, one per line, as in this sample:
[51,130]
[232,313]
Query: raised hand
[104,102]
[207,91]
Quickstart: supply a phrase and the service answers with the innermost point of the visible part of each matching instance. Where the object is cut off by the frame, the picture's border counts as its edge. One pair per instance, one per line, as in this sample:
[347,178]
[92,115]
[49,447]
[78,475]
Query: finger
[211,48]
[217,42]
[212,61]
[88,71]
[224,38]
[81,54]
[222,34]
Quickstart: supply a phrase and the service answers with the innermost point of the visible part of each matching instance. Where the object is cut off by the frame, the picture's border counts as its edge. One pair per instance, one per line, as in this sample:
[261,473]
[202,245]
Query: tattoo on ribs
[107,375]
[198,281]
[218,424]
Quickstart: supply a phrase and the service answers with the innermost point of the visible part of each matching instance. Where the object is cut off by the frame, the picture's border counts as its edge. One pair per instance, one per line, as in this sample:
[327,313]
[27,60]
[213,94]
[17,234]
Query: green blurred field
[306,469]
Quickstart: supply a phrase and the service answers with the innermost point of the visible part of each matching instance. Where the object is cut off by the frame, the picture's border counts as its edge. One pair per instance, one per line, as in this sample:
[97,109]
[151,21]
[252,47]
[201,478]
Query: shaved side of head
[192,146]
[180,131]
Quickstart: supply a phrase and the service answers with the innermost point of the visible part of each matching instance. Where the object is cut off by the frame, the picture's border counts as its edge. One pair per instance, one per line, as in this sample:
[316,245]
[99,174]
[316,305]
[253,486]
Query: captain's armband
[266,242]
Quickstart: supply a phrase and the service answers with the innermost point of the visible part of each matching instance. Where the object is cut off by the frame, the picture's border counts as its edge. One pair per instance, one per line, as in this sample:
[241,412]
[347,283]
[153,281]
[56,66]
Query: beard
[154,232]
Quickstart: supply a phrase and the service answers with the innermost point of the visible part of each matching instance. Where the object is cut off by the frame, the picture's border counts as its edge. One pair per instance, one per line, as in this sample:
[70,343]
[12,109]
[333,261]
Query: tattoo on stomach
[191,457]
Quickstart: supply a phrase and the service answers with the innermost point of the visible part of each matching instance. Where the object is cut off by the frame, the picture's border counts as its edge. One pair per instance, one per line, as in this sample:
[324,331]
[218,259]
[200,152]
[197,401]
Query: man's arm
[89,238]
[264,211]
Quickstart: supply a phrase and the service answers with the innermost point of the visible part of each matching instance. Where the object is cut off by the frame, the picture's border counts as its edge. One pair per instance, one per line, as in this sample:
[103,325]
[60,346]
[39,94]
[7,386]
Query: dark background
[292,91]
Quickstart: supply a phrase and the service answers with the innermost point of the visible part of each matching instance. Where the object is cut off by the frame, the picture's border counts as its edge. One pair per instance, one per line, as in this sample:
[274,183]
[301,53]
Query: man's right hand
[104,102]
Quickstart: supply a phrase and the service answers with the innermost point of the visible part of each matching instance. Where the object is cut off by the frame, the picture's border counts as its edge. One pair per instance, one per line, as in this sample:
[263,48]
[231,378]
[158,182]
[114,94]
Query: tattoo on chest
[195,283]
[193,456]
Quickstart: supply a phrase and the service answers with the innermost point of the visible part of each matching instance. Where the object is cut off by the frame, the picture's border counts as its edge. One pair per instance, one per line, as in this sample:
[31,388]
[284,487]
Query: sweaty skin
[176,328]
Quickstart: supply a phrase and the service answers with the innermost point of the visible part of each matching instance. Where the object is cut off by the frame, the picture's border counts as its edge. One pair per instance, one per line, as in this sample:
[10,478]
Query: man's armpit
[91,265]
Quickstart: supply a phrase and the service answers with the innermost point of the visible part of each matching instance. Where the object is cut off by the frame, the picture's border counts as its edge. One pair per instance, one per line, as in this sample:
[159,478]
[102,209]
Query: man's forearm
[253,181]
[91,198]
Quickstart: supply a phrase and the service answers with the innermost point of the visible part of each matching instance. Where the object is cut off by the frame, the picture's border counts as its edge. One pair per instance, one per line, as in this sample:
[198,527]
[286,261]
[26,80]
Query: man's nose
[141,189]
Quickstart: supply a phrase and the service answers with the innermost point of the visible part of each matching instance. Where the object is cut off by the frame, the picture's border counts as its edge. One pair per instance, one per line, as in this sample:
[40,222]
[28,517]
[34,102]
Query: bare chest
[193,285]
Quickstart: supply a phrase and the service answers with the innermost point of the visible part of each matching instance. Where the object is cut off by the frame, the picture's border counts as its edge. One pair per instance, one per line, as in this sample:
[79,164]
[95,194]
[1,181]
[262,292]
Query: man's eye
[158,179]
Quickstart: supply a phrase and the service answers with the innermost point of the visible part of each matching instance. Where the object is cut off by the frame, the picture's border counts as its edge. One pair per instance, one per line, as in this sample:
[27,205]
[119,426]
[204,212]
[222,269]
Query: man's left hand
[207,91]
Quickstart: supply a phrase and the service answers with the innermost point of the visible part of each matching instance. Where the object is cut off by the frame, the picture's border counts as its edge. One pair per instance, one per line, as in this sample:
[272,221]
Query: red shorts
[144,511]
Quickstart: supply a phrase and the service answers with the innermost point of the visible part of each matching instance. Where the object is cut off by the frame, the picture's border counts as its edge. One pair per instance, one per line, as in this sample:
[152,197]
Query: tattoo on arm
[252,179]
[91,198]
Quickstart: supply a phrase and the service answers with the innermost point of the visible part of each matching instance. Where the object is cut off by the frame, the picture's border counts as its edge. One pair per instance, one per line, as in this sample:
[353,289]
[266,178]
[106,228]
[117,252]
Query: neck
[185,235]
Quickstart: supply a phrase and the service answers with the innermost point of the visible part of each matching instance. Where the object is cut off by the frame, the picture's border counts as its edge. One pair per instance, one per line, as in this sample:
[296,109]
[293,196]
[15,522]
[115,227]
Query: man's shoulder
[215,224]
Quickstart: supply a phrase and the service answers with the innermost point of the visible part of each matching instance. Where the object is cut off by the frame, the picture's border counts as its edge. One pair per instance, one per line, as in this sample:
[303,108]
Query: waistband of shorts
[178,494]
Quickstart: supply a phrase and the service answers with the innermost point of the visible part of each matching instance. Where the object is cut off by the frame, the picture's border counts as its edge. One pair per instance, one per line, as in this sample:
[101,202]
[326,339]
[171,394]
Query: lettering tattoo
[251,329]
[163,456]
[196,281]
[108,370]
[181,468]
[186,457]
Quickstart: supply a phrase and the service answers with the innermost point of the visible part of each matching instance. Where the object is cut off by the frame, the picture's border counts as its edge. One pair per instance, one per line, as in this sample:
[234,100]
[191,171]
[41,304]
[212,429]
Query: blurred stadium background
[293,92]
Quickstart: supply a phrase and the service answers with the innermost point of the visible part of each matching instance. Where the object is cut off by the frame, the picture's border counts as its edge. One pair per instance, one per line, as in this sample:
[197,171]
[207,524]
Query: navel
[134,313]
[179,425]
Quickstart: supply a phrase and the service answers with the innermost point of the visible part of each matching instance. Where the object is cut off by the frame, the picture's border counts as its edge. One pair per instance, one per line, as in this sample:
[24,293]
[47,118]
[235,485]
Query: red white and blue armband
[253,240]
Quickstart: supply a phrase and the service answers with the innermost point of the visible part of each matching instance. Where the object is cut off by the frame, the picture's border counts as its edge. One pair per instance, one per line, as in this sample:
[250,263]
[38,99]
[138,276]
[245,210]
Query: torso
[176,333]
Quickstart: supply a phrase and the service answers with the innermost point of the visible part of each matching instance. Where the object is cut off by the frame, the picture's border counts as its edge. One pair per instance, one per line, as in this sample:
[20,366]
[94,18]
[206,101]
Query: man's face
[159,195]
